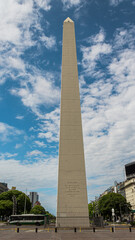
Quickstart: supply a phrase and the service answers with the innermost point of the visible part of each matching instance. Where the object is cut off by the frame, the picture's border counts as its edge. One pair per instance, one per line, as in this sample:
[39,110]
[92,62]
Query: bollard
[74,229]
[112,229]
[130,230]
[36,230]
[17,230]
[93,229]
[55,229]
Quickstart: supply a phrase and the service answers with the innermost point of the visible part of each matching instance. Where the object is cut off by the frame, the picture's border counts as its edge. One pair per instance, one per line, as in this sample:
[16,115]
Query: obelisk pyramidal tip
[68,20]
[72,203]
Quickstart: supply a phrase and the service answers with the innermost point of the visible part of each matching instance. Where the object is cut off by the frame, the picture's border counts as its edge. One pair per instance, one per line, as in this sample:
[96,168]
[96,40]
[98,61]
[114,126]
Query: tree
[7,197]
[21,202]
[51,216]
[113,200]
[91,207]
[6,207]
[38,210]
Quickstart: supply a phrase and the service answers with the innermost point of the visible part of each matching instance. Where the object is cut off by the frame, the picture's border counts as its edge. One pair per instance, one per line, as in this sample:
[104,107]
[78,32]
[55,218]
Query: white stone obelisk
[72,203]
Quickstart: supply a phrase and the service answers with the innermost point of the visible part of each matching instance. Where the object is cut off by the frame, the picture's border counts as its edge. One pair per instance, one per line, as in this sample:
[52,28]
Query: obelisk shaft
[72,203]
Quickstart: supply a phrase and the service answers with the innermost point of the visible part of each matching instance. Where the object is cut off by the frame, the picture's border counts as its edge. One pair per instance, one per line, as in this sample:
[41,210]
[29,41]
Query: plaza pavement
[30,234]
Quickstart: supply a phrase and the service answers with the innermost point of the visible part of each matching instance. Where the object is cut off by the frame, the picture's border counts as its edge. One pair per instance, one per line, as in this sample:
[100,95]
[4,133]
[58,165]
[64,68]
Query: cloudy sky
[30,82]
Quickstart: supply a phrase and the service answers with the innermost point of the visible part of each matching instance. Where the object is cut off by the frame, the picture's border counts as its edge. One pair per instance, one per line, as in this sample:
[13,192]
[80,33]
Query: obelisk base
[82,222]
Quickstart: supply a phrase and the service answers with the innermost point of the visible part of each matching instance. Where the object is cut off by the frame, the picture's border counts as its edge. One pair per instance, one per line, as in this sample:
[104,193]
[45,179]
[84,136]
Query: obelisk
[72,203]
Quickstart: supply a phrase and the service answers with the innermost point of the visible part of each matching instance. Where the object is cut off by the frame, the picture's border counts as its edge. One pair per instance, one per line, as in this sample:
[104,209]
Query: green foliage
[38,210]
[91,207]
[6,204]
[7,197]
[21,203]
[113,200]
[9,194]
[132,224]
[6,207]
[51,216]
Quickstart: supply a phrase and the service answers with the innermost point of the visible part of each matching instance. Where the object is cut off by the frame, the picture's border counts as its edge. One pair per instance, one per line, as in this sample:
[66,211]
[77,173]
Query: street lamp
[113,214]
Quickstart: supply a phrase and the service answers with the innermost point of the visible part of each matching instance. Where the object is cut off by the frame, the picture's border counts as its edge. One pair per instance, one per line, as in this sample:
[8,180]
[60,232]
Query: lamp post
[120,213]
[113,214]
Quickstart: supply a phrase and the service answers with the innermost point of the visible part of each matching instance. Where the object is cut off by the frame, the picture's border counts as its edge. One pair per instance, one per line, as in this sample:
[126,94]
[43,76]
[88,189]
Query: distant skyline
[30,85]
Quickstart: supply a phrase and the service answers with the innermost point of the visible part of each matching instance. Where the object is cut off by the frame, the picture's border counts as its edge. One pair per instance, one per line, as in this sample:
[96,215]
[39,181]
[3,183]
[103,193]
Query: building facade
[126,189]
[129,187]
[120,188]
[3,187]
[33,196]
[130,170]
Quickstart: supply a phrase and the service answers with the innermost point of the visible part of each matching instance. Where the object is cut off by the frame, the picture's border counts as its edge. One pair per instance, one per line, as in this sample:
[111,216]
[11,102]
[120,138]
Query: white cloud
[16,63]
[17,19]
[12,13]
[92,54]
[39,175]
[122,67]
[108,134]
[108,108]
[38,90]
[7,155]
[49,200]
[7,131]
[49,128]
[49,42]
[115,2]
[18,145]
[34,153]
[45,4]
[95,53]
[124,37]
[2,79]
[40,144]
[19,117]
[98,38]
[70,3]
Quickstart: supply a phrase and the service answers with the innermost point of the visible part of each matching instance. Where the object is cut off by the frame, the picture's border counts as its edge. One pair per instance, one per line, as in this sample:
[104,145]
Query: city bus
[34,219]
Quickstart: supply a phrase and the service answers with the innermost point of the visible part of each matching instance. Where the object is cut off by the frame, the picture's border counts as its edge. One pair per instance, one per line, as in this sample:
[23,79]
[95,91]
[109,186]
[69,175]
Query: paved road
[30,235]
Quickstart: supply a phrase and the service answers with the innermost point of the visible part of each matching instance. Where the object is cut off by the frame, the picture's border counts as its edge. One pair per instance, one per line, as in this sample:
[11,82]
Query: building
[3,187]
[72,202]
[108,190]
[129,184]
[129,187]
[37,203]
[130,170]
[120,188]
[33,196]
[127,190]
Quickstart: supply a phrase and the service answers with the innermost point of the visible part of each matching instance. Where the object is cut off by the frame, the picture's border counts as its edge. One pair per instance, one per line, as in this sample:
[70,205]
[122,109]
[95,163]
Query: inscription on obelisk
[72,203]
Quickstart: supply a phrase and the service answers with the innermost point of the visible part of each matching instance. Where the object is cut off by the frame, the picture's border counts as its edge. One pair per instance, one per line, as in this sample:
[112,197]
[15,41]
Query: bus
[33,219]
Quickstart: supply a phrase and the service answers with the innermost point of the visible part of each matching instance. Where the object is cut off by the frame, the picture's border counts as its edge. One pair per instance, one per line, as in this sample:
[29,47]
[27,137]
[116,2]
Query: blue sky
[30,79]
